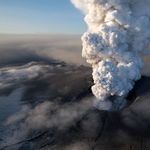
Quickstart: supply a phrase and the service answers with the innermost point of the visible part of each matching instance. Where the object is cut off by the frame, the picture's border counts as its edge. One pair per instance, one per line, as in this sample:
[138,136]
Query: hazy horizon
[40,47]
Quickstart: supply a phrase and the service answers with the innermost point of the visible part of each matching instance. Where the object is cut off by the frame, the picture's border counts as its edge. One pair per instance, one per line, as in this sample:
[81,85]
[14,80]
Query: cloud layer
[27,48]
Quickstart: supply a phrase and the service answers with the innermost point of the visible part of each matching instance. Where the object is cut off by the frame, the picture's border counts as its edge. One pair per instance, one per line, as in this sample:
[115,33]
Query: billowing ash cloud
[118,35]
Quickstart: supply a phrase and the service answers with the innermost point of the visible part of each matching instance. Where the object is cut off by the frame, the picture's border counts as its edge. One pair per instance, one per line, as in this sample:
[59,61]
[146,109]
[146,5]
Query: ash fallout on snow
[118,36]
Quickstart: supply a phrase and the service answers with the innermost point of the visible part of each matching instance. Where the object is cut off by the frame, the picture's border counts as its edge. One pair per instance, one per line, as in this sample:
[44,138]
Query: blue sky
[40,16]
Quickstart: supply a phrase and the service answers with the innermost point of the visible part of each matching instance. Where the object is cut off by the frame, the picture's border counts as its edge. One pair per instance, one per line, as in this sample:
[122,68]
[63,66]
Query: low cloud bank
[50,116]
[26,48]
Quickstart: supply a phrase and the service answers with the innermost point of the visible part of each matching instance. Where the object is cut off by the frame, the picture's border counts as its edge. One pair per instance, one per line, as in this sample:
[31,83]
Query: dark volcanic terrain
[48,106]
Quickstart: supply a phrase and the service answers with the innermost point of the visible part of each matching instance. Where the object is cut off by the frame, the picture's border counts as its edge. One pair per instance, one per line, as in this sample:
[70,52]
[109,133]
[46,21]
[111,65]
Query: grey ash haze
[26,48]
[46,101]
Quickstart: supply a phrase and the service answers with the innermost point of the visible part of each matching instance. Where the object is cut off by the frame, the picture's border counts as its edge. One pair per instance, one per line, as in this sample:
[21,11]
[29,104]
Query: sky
[40,16]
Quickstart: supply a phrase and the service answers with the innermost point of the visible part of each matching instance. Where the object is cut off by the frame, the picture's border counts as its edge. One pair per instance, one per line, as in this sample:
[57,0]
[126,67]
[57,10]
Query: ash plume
[118,36]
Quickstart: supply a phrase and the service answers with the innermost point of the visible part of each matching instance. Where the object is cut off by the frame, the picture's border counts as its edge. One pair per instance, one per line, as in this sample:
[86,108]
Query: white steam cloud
[79,5]
[26,72]
[118,35]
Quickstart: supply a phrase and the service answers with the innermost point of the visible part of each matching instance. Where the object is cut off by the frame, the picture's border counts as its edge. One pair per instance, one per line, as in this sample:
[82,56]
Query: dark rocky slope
[71,122]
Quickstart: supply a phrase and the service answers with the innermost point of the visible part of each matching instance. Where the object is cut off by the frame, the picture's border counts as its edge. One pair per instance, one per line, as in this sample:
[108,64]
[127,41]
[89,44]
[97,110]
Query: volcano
[52,108]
